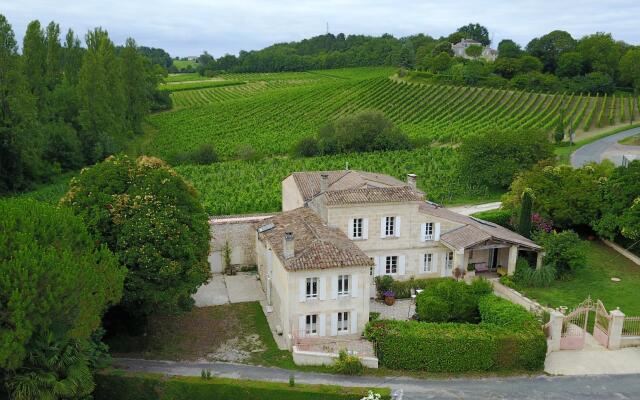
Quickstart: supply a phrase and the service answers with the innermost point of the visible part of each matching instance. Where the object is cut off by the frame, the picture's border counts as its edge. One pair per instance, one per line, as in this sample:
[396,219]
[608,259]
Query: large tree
[600,53]
[509,49]
[136,86]
[549,47]
[493,157]
[630,69]
[55,283]
[476,32]
[152,219]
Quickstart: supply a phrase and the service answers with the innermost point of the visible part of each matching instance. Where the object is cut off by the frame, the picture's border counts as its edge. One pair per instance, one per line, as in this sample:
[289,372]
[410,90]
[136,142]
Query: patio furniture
[481,267]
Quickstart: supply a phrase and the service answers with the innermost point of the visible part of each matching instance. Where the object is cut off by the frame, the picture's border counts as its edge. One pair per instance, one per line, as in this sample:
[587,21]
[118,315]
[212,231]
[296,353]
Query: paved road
[522,388]
[474,208]
[605,148]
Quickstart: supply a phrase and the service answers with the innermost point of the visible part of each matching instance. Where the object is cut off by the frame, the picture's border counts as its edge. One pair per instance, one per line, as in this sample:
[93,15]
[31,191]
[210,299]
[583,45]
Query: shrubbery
[508,337]
[204,154]
[402,289]
[500,217]
[565,252]
[347,364]
[364,131]
[451,301]
[527,276]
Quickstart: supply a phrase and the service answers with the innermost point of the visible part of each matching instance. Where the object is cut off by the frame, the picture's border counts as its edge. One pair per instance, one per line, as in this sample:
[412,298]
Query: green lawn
[603,263]
[631,140]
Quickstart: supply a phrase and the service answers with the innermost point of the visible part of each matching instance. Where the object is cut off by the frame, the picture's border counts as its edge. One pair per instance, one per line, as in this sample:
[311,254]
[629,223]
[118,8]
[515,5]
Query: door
[448,264]
[493,258]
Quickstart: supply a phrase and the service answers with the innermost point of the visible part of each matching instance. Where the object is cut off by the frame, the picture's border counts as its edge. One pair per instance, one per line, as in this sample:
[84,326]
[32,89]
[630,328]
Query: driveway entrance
[224,289]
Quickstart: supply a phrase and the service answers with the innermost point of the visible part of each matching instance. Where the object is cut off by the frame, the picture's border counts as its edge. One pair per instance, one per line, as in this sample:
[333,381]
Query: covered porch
[494,257]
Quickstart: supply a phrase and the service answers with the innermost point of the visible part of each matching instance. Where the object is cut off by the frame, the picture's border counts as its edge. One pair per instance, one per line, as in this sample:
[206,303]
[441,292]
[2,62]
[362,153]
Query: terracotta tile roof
[474,230]
[373,195]
[309,182]
[316,246]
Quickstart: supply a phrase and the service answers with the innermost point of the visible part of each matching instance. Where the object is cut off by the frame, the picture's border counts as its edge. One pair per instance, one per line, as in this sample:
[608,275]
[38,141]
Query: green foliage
[493,157]
[365,131]
[567,196]
[55,283]
[473,51]
[500,217]
[630,69]
[549,47]
[564,251]
[507,48]
[451,301]
[526,276]
[128,386]
[347,364]
[204,154]
[524,224]
[402,289]
[154,222]
[476,32]
[510,338]
[620,204]
[383,284]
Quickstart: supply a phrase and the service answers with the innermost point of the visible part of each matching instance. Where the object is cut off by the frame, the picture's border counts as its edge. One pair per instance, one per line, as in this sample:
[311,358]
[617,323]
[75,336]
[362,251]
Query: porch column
[539,259]
[458,260]
[513,257]
[615,329]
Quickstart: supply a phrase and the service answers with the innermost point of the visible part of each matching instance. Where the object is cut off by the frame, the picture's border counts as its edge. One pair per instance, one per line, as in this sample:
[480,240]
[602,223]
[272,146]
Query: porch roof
[474,231]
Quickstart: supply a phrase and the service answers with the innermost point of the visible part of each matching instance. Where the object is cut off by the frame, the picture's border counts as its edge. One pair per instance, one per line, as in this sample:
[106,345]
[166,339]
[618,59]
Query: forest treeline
[64,105]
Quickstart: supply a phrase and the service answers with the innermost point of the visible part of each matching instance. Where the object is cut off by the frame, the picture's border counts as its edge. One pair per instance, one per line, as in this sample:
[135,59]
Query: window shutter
[350,228]
[334,287]
[323,288]
[376,272]
[423,231]
[434,262]
[301,326]
[397,232]
[353,285]
[401,269]
[365,228]
[382,227]
[422,265]
[303,289]
[334,324]
[436,233]
[321,326]
[354,321]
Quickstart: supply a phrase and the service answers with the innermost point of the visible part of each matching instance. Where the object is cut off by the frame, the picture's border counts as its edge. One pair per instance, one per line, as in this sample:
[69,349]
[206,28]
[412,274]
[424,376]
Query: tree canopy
[153,221]
[55,284]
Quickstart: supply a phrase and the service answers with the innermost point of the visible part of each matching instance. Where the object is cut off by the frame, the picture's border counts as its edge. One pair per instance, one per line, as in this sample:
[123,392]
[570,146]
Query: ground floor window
[311,324]
[427,263]
[391,265]
[450,260]
[343,322]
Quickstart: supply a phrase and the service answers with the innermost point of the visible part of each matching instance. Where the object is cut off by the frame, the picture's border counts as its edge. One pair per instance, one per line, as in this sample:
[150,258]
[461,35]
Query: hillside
[270,111]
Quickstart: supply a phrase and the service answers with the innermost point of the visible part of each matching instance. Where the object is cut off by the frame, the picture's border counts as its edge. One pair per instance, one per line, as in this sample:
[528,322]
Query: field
[180,64]
[273,110]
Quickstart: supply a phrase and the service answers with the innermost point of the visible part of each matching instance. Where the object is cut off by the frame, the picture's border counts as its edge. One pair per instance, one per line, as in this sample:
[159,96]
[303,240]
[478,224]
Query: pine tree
[135,77]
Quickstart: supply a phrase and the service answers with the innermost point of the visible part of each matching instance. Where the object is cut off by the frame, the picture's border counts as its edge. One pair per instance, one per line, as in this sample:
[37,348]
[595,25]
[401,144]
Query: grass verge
[563,151]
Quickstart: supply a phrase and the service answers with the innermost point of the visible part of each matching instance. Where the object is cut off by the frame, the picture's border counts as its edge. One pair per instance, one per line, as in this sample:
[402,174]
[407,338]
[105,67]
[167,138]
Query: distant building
[192,58]
[460,50]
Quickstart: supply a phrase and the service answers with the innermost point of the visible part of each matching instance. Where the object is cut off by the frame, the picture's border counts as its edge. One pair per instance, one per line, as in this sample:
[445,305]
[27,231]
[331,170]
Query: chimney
[288,248]
[324,183]
[411,181]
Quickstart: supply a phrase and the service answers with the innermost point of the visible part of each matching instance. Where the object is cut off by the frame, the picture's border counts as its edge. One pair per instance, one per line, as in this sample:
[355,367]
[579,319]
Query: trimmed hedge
[138,386]
[507,338]
[500,217]
[402,289]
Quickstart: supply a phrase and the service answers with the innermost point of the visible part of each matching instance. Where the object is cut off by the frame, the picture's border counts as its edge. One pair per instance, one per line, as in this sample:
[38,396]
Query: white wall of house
[291,197]
[241,239]
[289,298]
[408,243]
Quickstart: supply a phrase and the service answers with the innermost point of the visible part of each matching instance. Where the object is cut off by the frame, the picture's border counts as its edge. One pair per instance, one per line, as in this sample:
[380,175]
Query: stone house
[460,50]
[338,230]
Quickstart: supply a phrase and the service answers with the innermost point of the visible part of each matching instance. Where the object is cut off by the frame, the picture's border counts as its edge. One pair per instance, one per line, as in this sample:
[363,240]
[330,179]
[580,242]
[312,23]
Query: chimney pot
[411,181]
[288,246]
[324,182]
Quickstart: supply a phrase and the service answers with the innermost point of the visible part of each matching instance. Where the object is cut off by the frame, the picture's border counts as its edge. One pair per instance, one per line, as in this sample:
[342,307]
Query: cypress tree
[135,80]
[524,225]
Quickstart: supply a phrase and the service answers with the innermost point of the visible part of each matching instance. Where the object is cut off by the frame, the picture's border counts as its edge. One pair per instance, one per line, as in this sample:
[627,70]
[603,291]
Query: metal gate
[601,326]
[574,327]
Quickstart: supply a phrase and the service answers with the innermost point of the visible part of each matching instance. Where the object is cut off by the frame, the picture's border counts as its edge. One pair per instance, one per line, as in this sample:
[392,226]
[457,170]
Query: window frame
[389,263]
[342,322]
[312,283]
[357,223]
[426,263]
[311,324]
[390,226]
[429,226]
[343,280]
[449,261]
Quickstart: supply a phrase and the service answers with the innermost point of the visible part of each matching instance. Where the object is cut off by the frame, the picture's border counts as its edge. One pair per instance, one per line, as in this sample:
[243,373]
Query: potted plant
[389,297]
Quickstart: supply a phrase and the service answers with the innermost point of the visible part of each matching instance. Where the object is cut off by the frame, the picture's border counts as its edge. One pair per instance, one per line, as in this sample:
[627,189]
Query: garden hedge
[508,337]
[138,386]
[402,289]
